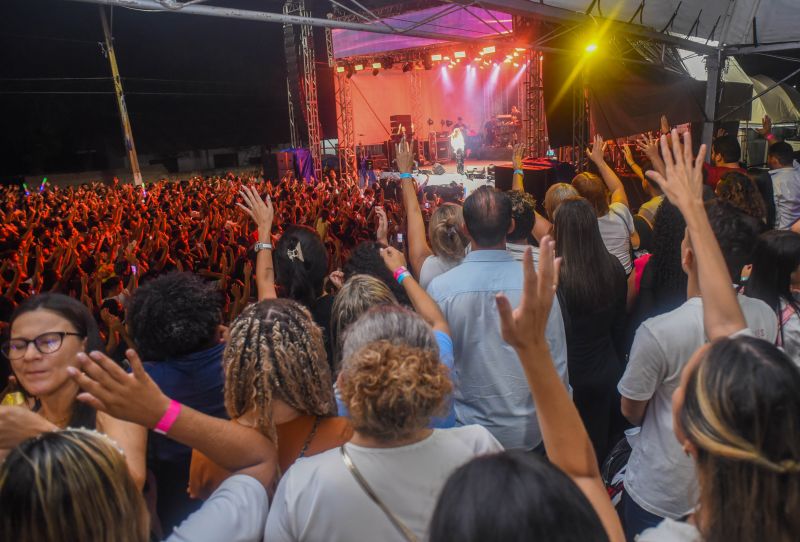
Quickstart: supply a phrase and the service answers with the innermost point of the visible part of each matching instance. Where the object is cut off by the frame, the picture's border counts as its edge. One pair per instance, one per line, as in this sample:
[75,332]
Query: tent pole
[713,66]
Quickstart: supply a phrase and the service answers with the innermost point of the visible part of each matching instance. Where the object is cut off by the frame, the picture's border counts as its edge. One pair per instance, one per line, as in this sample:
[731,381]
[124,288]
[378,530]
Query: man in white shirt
[660,481]
[785,184]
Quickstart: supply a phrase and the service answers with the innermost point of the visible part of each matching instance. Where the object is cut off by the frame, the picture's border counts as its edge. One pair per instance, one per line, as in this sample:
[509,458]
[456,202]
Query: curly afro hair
[174,315]
[393,390]
[366,260]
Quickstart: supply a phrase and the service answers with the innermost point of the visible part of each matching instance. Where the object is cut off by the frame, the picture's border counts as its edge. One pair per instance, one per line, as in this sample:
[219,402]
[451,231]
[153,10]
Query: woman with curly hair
[741,192]
[390,472]
[277,380]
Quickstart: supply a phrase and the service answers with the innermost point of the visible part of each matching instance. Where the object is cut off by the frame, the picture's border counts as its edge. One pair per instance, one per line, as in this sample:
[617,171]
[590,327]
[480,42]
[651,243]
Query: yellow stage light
[591,48]
[340,69]
[376,66]
[436,57]
[460,54]
[487,50]
[358,67]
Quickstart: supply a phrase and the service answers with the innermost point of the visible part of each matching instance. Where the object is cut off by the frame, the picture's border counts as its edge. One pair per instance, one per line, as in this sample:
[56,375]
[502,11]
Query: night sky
[191,82]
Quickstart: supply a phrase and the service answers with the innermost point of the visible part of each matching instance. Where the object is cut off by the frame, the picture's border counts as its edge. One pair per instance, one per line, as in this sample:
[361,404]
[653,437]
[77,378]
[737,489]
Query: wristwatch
[262,246]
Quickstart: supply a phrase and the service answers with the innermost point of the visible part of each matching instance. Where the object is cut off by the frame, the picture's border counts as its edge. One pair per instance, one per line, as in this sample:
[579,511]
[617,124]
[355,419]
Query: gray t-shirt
[660,477]
[318,498]
[235,512]
[432,267]
[786,192]
[616,228]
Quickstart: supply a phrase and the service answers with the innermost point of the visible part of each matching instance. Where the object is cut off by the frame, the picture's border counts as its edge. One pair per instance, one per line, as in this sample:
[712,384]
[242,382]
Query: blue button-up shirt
[490,385]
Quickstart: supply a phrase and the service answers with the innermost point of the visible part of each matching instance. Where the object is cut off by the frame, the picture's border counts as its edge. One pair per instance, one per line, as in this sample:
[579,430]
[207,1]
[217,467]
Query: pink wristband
[168,419]
[399,271]
[770,137]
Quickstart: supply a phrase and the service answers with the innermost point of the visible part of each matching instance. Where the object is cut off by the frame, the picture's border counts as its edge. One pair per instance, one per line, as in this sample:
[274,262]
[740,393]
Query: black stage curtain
[627,98]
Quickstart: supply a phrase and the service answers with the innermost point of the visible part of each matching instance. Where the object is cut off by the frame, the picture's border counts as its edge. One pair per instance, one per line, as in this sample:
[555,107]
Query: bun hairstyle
[301,263]
[446,232]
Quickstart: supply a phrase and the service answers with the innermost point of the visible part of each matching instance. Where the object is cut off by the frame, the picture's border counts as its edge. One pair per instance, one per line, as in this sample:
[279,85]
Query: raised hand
[596,153]
[683,182]
[383,226]
[665,127]
[260,211]
[132,397]
[518,155]
[524,327]
[405,157]
[393,258]
[766,127]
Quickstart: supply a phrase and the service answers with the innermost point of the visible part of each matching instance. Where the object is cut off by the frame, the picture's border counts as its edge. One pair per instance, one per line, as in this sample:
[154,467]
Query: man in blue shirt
[174,321]
[490,385]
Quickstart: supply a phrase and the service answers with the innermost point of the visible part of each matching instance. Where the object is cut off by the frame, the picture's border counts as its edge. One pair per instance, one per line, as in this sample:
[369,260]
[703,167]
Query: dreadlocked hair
[276,351]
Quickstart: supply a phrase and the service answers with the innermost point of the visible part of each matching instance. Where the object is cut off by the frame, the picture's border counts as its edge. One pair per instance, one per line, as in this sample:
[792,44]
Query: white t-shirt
[671,531]
[432,267]
[616,228]
[660,477]
[235,512]
[318,498]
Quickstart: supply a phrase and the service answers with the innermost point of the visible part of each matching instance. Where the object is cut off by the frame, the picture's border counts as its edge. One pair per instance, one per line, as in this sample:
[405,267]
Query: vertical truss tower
[307,91]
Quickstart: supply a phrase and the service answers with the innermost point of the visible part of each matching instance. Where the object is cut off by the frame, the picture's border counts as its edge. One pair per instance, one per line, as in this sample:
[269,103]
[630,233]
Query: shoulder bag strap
[407,534]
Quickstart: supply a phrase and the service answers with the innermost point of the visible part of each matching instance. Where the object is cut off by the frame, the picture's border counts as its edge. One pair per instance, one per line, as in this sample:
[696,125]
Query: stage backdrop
[474,94]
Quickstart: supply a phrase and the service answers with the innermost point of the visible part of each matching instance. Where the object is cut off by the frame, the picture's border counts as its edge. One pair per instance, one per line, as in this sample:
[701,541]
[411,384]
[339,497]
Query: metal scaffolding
[348,163]
[533,116]
[308,88]
[580,123]
[416,112]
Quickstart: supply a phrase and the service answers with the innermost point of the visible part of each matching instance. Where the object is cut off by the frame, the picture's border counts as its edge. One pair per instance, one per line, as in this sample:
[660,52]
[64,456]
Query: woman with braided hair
[277,380]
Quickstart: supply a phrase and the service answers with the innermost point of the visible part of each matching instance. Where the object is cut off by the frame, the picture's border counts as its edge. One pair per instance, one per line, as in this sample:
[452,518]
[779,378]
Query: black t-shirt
[321,312]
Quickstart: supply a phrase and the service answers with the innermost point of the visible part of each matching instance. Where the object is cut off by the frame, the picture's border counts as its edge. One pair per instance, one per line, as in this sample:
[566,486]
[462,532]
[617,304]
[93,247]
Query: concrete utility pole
[127,133]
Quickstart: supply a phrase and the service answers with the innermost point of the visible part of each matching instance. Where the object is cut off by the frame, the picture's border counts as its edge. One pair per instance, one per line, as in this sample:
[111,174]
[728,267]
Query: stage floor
[450,175]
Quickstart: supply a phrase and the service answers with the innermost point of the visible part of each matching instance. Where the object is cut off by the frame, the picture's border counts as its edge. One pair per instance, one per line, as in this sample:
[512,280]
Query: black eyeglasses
[46,343]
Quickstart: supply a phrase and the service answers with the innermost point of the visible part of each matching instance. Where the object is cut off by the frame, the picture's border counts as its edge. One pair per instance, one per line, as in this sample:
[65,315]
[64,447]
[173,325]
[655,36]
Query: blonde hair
[555,196]
[393,390]
[445,231]
[72,484]
[276,350]
[359,294]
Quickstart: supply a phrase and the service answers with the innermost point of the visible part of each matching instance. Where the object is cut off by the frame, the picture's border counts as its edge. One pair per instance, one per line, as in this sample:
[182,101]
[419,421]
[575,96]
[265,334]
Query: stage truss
[308,91]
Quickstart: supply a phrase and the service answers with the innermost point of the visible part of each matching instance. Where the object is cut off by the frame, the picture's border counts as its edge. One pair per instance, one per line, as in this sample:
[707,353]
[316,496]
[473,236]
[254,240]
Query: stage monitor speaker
[438,169]
[401,124]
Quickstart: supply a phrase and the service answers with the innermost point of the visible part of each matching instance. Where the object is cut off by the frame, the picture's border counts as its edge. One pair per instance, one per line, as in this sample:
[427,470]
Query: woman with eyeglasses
[47,332]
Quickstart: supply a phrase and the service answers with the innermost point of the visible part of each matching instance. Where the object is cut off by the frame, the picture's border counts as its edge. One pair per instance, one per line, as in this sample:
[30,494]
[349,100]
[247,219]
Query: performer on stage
[457,144]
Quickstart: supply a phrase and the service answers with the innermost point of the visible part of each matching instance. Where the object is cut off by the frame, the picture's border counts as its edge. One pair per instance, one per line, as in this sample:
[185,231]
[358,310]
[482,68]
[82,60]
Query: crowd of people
[234,359]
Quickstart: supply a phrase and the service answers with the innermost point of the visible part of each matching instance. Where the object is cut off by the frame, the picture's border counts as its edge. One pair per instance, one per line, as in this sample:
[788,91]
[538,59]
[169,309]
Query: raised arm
[565,437]
[613,183]
[541,225]
[135,398]
[424,304]
[262,214]
[683,185]
[418,249]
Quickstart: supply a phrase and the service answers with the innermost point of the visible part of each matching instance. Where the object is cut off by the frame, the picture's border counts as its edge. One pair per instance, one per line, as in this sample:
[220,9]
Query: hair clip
[296,253]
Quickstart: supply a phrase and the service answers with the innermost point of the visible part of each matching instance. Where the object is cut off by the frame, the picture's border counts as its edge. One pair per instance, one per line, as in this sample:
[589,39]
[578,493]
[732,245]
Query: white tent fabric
[776,21]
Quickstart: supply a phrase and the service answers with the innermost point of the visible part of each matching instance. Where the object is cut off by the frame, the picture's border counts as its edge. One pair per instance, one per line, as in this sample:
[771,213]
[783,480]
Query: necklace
[310,437]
